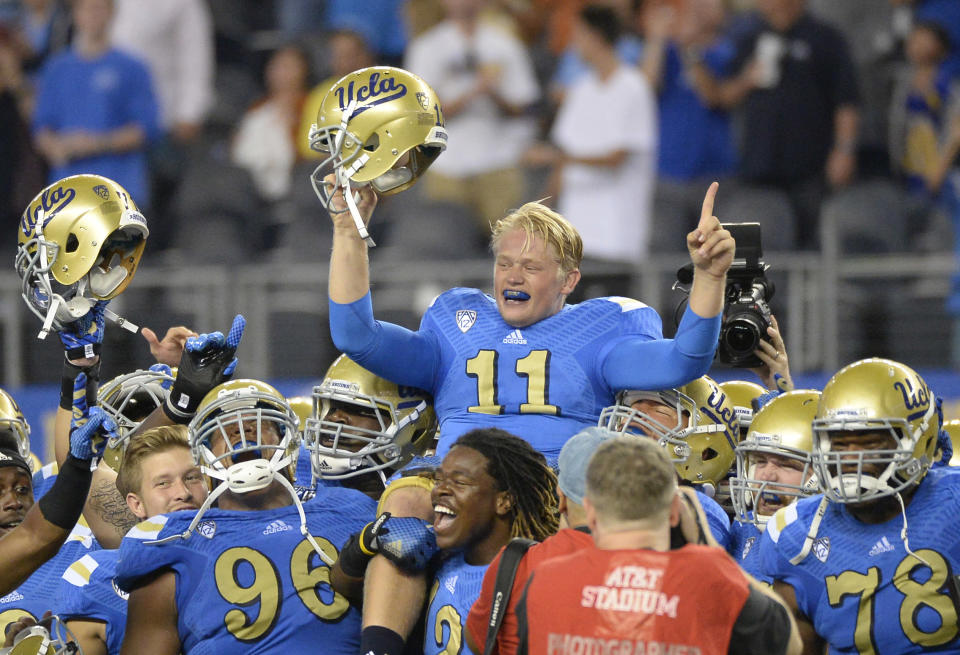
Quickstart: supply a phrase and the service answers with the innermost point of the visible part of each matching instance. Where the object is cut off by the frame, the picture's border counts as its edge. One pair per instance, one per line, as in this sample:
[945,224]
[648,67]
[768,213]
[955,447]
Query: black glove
[207,361]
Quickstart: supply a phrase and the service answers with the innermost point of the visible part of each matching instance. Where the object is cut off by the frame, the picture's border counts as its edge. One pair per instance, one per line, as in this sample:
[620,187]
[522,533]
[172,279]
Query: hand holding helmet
[83,338]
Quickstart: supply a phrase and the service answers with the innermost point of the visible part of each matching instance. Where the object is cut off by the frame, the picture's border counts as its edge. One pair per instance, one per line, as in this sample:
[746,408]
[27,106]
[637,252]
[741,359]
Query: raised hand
[90,427]
[83,338]
[711,247]
[207,360]
[169,350]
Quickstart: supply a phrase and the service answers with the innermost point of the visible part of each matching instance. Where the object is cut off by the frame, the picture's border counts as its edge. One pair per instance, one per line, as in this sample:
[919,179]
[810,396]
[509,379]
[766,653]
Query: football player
[867,567]
[773,470]
[521,360]
[363,428]
[157,476]
[696,425]
[219,577]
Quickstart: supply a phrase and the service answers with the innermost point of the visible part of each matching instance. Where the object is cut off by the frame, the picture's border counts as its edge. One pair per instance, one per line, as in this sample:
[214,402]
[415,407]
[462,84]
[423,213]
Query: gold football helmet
[15,429]
[782,428]
[86,233]
[128,399]
[874,396]
[381,126]
[406,423]
[742,393]
[51,637]
[701,443]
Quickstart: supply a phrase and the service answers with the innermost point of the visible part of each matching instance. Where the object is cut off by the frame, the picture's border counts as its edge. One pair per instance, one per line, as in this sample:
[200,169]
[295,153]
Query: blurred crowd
[620,115]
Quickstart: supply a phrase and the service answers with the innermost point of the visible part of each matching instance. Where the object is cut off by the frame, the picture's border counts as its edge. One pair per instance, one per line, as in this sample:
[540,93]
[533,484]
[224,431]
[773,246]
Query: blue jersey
[456,585]
[717,518]
[43,480]
[35,596]
[744,548]
[248,581]
[542,382]
[860,588]
[88,592]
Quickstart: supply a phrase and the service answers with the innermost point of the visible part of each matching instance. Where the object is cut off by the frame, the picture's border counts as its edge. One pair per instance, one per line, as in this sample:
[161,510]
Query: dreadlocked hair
[522,472]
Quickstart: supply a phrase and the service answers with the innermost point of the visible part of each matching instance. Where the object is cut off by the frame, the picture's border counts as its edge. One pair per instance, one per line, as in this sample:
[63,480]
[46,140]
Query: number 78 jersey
[861,589]
[249,581]
[542,382]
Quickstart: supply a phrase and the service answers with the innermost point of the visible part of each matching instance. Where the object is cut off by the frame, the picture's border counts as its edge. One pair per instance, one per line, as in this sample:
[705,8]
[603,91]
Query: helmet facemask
[623,418]
[747,490]
[846,476]
[339,451]
[49,637]
[128,399]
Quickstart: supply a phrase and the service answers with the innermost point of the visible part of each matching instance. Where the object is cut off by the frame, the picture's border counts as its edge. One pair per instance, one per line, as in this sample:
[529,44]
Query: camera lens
[741,336]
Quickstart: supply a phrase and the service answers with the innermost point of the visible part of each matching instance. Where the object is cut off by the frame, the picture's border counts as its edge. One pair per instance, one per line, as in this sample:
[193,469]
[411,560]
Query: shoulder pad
[626,304]
[149,529]
[78,574]
[779,521]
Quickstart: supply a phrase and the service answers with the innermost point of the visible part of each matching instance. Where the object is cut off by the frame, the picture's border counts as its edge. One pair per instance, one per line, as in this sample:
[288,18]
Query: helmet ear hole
[372,143]
[72,243]
[708,454]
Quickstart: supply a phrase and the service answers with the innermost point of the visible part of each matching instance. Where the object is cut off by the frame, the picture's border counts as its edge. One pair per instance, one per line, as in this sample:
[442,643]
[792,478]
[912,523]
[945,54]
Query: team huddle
[518,475]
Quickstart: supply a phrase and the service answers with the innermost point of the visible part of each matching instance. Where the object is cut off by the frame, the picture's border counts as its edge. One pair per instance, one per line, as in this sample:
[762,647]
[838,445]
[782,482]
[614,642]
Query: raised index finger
[706,212]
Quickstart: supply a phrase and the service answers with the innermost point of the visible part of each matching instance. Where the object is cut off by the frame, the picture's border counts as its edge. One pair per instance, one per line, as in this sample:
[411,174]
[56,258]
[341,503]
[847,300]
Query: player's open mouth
[515,296]
[443,518]
[769,503]
[7,527]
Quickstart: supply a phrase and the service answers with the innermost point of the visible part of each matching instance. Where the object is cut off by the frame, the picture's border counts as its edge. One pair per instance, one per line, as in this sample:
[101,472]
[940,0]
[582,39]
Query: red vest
[636,602]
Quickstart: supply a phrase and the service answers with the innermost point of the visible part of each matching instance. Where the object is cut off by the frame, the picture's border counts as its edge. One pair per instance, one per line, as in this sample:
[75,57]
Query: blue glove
[84,337]
[90,428]
[207,361]
[408,542]
[163,369]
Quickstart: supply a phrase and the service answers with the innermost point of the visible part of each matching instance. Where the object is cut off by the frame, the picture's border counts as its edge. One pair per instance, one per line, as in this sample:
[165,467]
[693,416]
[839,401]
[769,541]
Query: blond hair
[537,220]
[152,441]
[630,480]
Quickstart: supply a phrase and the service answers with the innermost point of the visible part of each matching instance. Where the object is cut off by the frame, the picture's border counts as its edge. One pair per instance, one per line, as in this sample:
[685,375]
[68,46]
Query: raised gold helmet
[79,240]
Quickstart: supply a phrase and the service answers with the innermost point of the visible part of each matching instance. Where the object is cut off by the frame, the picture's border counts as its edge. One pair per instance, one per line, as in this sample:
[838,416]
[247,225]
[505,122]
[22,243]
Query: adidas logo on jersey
[515,337]
[12,597]
[451,584]
[277,526]
[882,546]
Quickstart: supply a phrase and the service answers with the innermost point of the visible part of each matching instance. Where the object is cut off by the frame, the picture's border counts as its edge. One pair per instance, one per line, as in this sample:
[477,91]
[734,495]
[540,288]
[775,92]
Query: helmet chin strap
[245,477]
[343,174]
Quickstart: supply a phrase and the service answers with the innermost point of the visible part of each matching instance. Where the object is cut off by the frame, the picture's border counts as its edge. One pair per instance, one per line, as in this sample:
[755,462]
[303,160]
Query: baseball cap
[574,458]
[12,457]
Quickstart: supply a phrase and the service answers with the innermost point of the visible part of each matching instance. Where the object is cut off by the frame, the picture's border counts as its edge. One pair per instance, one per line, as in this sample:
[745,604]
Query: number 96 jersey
[862,590]
[248,581]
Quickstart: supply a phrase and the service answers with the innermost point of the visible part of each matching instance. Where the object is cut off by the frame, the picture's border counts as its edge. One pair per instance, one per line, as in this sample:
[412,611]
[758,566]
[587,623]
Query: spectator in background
[96,111]
[947,14]
[795,88]
[571,66]
[606,140]
[45,27]
[382,22]
[265,142]
[695,136]
[486,83]
[347,51]
[175,39]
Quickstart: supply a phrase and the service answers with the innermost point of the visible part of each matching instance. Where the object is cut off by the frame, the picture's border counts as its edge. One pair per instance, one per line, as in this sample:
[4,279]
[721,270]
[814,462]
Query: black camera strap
[506,573]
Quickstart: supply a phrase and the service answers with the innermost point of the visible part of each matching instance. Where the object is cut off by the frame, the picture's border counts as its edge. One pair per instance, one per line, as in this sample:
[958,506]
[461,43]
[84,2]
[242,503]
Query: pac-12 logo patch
[465,319]
[821,548]
[102,191]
